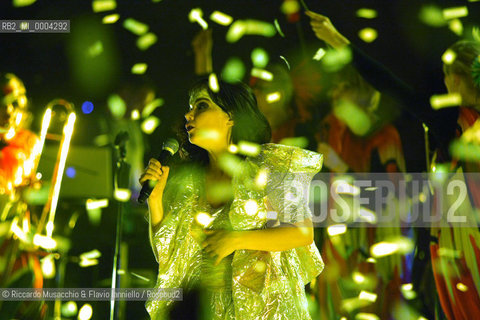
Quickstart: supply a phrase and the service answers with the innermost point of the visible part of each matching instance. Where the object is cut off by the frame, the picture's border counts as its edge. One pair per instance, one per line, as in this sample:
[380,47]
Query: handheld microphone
[169,148]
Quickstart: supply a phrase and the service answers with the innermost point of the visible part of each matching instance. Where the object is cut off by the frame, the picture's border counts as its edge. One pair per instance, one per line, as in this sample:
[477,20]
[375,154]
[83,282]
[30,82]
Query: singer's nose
[189,115]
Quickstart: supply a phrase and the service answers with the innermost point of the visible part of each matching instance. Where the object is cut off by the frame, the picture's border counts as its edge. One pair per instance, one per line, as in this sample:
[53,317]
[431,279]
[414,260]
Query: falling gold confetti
[146,41]
[290,7]
[221,18]
[196,15]
[279,30]
[103,5]
[135,27]
[454,13]
[319,54]
[449,56]
[273,97]
[111,18]
[139,68]
[369,296]
[456,26]
[445,100]
[262,74]
[368,34]
[204,219]
[248,148]
[150,124]
[336,229]
[213,82]
[366,13]
[96,49]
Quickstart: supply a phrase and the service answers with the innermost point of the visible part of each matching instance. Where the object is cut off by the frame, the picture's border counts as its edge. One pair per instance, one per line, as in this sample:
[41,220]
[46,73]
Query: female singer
[256,253]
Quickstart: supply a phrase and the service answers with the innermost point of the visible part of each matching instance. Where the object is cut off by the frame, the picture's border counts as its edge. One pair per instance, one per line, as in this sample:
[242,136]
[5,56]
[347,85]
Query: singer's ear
[230,122]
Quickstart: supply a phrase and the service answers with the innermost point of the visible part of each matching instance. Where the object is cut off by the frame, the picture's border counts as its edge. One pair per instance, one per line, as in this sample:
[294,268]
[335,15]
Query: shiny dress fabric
[248,284]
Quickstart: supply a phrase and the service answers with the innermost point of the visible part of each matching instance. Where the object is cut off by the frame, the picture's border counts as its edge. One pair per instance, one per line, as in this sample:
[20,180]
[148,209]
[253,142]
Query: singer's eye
[202,105]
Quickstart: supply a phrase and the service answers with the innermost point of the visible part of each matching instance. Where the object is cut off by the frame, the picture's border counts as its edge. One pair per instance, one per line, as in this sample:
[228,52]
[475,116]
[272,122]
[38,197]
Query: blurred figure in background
[19,260]
[455,253]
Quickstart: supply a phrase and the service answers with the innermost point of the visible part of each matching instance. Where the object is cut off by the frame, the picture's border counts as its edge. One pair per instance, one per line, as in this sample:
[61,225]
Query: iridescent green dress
[248,284]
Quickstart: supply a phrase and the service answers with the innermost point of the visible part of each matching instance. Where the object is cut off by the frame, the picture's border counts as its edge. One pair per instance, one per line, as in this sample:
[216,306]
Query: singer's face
[208,126]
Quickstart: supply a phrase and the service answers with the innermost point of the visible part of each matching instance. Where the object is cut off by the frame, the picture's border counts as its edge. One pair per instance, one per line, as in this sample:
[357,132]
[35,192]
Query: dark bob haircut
[239,102]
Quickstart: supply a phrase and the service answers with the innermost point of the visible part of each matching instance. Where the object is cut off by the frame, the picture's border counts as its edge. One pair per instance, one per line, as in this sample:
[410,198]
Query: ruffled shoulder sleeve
[290,171]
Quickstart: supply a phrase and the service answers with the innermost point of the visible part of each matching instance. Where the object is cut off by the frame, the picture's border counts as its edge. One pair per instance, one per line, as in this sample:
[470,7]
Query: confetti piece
[195,15]
[432,15]
[407,291]
[135,114]
[354,116]
[335,60]
[261,179]
[368,34]
[367,215]
[366,13]
[289,7]
[250,27]
[116,105]
[139,68]
[149,108]
[44,241]
[103,5]
[236,31]
[92,204]
[286,62]
[204,219]
[213,82]
[273,97]
[454,13]
[449,56]
[111,18]
[383,249]
[231,164]
[301,142]
[221,18]
[150,124]
[336,229]
[456,26]
[445,100]
[319,54]
[460,286]
[260,28]
[22,3]
[234,70]
[358,277]
[96,49]
[277,26]
[146,41]
[251,207]
[343,187]
[366,316]
[233,148]
[369,296]
[259,58]
[262,74]
[135,27]
[248,148]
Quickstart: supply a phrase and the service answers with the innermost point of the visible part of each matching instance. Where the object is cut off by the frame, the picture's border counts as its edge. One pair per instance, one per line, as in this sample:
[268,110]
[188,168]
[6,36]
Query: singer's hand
[155,172]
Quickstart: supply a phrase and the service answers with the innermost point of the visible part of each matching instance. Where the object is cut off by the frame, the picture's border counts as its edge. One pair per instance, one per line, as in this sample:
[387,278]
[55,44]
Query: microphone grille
[171,145]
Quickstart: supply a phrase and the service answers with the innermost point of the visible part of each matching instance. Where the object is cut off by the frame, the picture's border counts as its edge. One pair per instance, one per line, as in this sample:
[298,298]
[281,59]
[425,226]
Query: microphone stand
[121,180]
